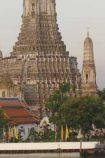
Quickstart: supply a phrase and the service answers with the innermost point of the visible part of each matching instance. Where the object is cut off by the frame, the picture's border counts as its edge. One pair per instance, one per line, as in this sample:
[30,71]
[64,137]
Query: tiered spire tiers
[89,86]
[39,32]
[39,61]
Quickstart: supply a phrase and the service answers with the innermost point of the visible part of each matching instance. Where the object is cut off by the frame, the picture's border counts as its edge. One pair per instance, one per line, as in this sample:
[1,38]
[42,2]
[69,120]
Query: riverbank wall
[46,147]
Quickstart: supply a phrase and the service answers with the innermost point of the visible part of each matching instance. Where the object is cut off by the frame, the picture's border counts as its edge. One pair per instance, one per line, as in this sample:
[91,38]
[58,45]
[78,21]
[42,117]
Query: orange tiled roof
[15,110]
[26,120]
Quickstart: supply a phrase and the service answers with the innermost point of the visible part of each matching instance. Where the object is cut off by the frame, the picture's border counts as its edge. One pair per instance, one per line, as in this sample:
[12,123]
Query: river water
[52,155]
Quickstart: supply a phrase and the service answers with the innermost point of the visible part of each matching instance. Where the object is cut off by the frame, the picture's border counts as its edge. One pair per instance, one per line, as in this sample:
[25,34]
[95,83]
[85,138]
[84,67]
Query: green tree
[82,112]
[3,122]
[55,103]
[101,94]
[77,113]
[33,136]
[48,135]
[64,88]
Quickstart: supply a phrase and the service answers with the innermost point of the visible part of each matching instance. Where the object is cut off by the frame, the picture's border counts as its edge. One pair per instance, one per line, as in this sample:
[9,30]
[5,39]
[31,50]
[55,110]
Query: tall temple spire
[30,7]
[89,86]
[39,31]
[39,62]
[37,7]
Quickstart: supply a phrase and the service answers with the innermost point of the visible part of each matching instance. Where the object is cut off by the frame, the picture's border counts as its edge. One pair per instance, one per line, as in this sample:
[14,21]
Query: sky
[74,17]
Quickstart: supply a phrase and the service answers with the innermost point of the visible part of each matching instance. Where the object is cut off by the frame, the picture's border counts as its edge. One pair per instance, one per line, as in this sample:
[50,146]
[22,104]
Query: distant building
[18,115]
[88,86]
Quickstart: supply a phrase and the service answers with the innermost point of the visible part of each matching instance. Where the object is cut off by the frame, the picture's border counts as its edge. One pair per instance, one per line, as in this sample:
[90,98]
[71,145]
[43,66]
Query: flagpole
[62,134]
[81,146]
[8,134]
[67,133]
[3,134]
[13,135]
[55,130]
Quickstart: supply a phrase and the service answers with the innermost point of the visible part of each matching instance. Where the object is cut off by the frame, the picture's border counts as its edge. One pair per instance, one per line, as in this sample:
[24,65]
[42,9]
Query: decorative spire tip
[88,32]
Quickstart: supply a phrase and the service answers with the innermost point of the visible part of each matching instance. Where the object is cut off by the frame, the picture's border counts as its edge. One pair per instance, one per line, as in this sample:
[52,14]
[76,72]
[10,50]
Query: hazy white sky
[74,16]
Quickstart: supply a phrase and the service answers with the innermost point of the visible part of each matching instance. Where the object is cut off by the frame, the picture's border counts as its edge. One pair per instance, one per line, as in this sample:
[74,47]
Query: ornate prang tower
[39,61]
[88,86]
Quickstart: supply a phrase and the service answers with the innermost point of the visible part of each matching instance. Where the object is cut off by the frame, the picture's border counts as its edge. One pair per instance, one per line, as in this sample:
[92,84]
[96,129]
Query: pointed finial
[87,31]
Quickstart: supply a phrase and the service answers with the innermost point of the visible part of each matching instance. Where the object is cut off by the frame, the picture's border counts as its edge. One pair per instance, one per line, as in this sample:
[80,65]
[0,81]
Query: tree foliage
[76,112]
[3,123]
[55,103]
[43,136]
[3,120]
[82,112]
[101,94]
